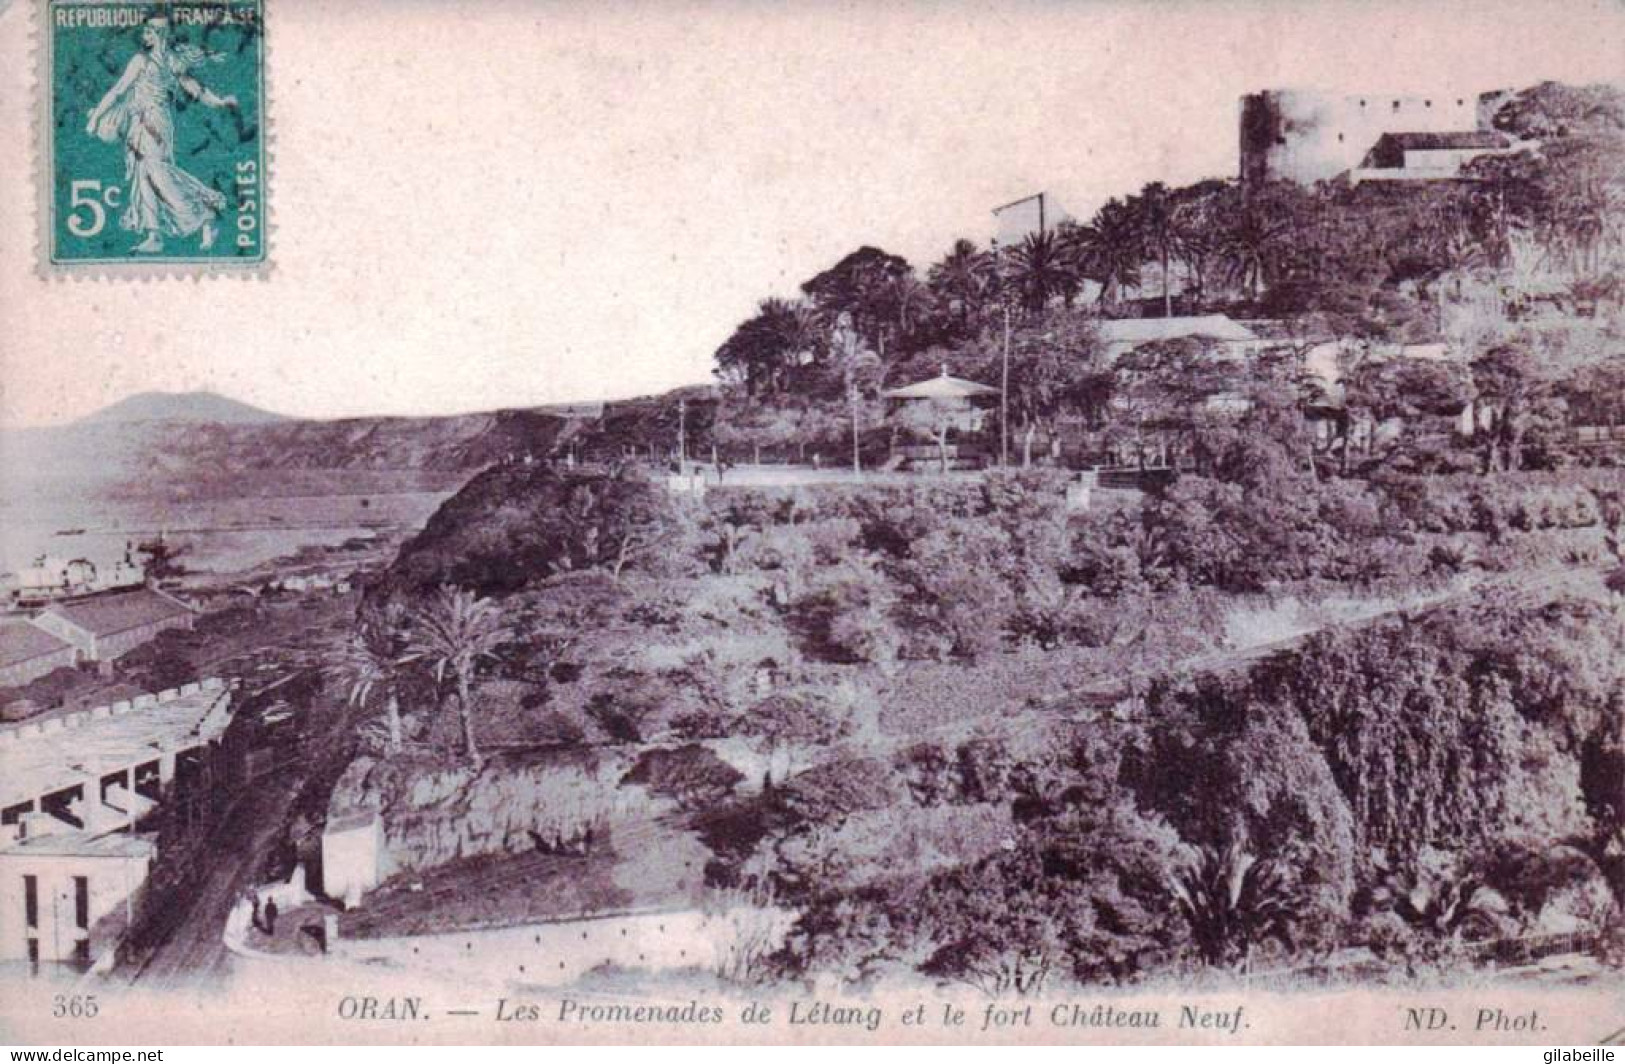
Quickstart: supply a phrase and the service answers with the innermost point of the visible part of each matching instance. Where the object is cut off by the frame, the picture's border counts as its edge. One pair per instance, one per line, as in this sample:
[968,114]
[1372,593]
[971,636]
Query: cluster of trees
[1473,793]
[1566,200]
[963,571]
[1366,263]
[1477,755]
[520,577]
[515,525]
[436,648]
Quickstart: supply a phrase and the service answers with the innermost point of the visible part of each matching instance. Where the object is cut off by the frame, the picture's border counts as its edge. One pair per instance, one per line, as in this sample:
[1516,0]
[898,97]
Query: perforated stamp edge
[41,163]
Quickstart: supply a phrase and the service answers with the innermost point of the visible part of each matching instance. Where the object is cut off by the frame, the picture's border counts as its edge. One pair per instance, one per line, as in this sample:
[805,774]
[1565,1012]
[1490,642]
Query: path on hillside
[1531,588]
[195,954]
[236,851]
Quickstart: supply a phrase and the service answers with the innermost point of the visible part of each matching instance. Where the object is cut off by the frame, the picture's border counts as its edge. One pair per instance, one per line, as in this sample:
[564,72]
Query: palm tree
[873,306]
[803,329]
[1456,255]
[1450,908]
[912,302]
[1200,210]
[1161,233]
[763,348]
[1038,270]
[1233,901]
[452,634]
[965,279]
[1250,248]
[1108,249]
[858,366]
[369,664]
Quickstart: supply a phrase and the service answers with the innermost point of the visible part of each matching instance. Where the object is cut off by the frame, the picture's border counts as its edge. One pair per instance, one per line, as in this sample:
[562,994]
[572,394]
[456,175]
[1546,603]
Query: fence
[557,952]
[1598,436]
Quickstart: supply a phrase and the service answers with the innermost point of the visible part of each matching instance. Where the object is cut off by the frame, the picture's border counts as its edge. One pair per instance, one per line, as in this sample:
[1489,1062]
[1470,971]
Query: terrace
[77,767]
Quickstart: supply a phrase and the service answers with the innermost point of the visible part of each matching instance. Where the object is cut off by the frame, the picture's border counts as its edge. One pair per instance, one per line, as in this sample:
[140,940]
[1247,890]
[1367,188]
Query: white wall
[1326,135]
[352,861]
[111,880]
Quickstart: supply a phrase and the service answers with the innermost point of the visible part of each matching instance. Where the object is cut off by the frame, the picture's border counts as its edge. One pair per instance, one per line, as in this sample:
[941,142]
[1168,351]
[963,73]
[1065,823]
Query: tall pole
[851,342]
[1004,395]
[682,434]
[129,902]
[857,462]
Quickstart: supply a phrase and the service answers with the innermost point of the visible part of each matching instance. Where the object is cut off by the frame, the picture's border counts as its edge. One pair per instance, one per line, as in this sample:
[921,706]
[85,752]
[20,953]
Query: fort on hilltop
[1306,136]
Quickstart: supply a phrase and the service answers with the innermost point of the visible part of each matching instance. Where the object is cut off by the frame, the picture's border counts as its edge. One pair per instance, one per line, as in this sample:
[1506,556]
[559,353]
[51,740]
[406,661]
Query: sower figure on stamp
[164,200]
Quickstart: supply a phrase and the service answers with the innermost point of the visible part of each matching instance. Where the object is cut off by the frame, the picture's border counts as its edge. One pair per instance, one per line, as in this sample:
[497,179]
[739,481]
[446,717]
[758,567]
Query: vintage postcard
[1094,522]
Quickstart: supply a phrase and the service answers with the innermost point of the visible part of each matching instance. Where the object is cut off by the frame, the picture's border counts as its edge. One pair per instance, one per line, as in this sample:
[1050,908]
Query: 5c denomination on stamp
[155,136]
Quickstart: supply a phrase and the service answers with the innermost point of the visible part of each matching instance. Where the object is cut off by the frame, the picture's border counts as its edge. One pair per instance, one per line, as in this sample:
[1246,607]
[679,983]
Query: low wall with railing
[560,952]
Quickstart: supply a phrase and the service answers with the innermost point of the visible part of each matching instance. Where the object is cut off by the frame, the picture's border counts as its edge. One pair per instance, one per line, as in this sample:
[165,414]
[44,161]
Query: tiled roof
[1467,139]
[1138,331]
[111,614]
[21,641]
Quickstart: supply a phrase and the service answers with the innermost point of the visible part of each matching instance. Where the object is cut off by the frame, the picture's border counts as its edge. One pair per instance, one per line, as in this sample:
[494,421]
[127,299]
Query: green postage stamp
[154,134]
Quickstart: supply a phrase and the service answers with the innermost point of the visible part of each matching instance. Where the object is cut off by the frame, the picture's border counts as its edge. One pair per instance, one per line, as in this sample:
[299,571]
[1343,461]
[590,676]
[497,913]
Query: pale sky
[497,203]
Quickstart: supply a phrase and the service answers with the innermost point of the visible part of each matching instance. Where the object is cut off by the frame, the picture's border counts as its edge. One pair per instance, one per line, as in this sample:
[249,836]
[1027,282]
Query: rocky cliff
[433,814]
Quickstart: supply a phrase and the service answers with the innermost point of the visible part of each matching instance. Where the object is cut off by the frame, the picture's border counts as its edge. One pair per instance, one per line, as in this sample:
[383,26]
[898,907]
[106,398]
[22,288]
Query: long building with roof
[28,652]
[106,627]
[1122,335]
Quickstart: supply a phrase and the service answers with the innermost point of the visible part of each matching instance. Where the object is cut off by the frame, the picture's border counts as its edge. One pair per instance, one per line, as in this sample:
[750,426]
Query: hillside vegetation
[1339,696]
[902,668]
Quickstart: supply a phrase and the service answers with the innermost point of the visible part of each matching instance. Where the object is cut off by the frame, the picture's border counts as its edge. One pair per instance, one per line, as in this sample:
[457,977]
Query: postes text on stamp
[155,135]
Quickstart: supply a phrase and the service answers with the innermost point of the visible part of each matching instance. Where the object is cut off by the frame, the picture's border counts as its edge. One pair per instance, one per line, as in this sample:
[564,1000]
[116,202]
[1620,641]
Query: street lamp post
[1004,395]
[682,434]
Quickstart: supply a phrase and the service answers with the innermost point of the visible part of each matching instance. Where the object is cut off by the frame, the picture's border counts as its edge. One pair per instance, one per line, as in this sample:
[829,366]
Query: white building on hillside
[72,799]
[1233,339]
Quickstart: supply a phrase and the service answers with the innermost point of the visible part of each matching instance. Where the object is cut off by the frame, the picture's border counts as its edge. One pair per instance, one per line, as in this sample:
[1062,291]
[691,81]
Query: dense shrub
[1456,732]
[692,775]
[514,526]
[1250,775]
[848,616]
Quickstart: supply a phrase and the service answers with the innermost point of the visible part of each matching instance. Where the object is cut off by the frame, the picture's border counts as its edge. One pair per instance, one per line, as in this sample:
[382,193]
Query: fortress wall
[1306,136]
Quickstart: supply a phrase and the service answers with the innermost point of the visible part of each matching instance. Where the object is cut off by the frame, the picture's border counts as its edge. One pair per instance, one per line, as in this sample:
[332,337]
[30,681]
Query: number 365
[89,198]
[75,1006]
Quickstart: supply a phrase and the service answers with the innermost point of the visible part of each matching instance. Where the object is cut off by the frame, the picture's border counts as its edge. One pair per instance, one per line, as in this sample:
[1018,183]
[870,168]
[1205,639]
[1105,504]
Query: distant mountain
[172,449]
[189,407]
[199,444]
